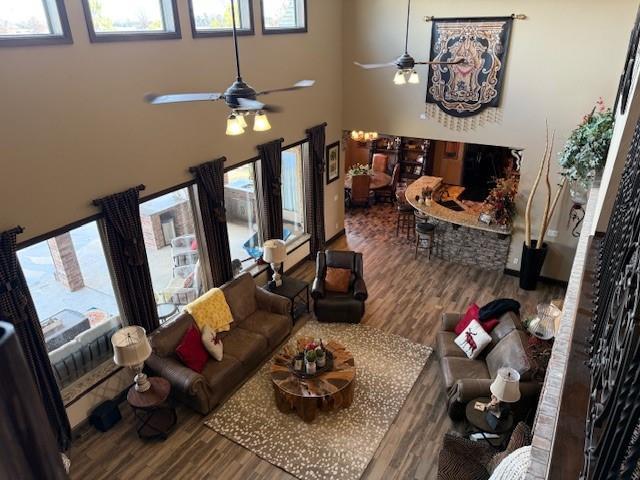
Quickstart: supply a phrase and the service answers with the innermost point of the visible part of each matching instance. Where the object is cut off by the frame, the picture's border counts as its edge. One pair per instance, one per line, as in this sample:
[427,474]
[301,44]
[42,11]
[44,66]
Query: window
[169,230]
[245,237]
[212,18]
[33,22]
[121,20]
[293,213]
[73,293]
[284,16]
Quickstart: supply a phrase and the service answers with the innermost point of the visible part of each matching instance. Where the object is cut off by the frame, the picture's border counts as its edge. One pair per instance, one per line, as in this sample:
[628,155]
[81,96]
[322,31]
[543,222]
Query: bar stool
[425,236]
[405,221]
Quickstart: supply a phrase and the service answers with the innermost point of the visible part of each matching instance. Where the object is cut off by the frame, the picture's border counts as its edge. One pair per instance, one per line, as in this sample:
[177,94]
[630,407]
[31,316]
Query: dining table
[378,180]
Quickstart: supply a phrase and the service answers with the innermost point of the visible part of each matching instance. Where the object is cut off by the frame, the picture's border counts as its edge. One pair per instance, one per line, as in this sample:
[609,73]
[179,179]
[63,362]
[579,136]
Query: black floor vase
[531,265]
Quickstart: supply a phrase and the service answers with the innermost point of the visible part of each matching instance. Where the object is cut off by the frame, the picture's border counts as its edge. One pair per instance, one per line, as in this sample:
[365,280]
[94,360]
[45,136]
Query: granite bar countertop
[465,218]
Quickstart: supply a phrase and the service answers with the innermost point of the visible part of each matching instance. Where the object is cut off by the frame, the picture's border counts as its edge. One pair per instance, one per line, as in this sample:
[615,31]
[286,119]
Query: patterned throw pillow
[337,280]
[473,340]
[521,437]
[212,343]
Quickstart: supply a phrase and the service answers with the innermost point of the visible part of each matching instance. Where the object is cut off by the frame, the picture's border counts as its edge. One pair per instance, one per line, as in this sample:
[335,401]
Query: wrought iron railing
[612,444]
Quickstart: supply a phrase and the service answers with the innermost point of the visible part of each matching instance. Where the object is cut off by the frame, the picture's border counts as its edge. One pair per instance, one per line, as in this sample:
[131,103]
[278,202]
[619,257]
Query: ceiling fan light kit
[239,97]
[405,63]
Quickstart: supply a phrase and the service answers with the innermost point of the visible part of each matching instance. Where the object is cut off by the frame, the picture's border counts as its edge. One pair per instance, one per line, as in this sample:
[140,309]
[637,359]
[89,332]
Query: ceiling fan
[240,97]
[405,63]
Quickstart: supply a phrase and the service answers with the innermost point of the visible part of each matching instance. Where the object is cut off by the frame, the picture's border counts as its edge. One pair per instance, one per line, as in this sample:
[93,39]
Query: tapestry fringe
[488,115]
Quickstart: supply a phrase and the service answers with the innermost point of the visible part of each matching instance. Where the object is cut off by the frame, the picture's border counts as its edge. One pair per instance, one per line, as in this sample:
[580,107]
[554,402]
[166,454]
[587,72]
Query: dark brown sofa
[261,321]
[467,379]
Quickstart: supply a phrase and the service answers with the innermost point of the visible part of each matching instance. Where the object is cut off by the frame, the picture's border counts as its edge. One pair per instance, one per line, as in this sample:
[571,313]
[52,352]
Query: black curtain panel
[271,180]
[125,244]
[210,182]
[314,188]
[16,307]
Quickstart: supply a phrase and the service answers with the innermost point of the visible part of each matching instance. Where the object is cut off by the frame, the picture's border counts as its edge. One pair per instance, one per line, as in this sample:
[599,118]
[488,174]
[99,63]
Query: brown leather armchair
[467,379]
[339,307]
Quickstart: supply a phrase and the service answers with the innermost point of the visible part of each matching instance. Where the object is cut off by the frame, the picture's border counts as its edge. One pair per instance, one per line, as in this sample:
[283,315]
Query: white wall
[561,59]
[74,127]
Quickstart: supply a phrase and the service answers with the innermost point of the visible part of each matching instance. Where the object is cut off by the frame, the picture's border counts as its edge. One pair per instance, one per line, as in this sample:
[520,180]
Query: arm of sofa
[449,321]
[317,289]
[273,303]
[179,376]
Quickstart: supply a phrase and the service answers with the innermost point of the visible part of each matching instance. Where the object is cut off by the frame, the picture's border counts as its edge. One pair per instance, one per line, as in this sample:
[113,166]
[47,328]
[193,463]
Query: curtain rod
[17,230]
[515,16]
[140,188]
[324,124]
[194,169]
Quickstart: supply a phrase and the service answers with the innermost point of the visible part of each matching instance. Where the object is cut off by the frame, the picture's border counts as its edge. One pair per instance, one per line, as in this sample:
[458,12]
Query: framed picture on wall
[333,162]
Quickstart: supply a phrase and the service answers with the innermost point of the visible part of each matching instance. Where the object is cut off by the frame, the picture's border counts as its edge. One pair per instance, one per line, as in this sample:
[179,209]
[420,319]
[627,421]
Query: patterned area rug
[340,444]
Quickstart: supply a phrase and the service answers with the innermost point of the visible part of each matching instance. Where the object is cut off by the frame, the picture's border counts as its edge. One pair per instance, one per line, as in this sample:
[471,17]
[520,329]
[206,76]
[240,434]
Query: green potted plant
[585,152]
[321,358]
[310,358]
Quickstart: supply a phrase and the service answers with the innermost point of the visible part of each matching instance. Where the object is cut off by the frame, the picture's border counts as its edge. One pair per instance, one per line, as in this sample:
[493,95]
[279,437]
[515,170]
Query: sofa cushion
[272,326]
[167,337]
[246,346]
[511,351]
[506,324]
[223,376]
[191,351]
[241,297]
[446,346]
[454,369]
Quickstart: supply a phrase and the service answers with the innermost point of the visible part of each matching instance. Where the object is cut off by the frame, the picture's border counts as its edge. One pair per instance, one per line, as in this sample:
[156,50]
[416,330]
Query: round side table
[478,421]
[154,414]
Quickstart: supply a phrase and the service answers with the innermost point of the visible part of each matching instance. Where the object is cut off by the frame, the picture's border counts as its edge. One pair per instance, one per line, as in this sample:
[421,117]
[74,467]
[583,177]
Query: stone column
[65,262]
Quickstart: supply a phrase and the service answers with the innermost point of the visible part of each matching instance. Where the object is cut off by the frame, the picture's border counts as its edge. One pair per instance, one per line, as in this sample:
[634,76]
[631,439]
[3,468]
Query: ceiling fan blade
[371,66]
[159,99]
[301,84]
[246,104]
[457,62]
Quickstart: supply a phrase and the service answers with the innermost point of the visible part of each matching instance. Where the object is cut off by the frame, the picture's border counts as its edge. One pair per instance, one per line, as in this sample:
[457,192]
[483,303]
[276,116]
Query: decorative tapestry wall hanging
[467,88]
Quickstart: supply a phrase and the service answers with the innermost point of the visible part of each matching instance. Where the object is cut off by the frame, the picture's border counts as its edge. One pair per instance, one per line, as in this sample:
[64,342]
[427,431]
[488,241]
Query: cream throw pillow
[473,339]
[212,343]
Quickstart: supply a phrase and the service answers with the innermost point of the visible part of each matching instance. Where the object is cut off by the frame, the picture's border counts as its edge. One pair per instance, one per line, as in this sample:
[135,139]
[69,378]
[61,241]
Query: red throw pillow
[473,312]
[489,325]
[194,245]
[191,351]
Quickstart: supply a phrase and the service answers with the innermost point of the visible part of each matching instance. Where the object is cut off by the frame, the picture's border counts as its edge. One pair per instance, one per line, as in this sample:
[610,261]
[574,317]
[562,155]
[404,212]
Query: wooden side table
[295,290]
[478,421]
[154,413]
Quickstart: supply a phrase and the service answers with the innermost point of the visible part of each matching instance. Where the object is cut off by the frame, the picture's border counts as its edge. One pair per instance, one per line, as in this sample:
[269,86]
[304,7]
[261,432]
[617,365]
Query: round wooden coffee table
[328,391]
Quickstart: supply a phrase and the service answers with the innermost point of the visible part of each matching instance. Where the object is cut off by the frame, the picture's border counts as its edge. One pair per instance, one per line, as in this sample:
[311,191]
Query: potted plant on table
[501,202]
[321,358]
[310,358]
[585,152]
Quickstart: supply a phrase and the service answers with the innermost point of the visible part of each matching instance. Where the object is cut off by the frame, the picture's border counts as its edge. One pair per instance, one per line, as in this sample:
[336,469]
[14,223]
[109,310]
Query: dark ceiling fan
[240,97]
[405,63]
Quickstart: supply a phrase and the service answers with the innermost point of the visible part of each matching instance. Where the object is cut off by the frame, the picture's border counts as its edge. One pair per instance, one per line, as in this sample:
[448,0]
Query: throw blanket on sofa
[211,309]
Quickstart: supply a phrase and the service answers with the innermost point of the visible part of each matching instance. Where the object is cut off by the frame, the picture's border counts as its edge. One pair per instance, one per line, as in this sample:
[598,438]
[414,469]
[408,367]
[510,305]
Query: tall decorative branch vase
[531,265]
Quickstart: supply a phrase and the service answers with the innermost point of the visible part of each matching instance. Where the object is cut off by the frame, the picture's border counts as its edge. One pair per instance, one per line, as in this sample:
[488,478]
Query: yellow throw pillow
[211,309]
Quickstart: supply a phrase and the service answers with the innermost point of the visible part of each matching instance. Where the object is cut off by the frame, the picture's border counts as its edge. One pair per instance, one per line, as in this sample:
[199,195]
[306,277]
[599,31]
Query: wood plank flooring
[406,297]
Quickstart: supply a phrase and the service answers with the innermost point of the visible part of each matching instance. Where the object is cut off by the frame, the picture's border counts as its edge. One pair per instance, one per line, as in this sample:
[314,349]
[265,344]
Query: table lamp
[504,389]
[275,252]
[130,349]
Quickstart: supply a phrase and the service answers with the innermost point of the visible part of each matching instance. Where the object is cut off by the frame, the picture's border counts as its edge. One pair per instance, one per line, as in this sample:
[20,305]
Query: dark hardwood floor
[406,297]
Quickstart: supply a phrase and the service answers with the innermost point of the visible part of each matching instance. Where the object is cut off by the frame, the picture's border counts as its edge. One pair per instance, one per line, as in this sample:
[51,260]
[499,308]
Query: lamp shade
[275,251]
[506,386]
[130,346]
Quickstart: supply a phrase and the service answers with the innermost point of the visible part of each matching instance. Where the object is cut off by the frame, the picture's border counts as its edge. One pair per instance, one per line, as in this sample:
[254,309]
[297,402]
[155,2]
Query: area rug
[337,445]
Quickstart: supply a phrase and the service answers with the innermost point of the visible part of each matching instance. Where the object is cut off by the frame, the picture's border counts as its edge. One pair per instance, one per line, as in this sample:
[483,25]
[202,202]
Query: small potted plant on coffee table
[310,358]
[321,358]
